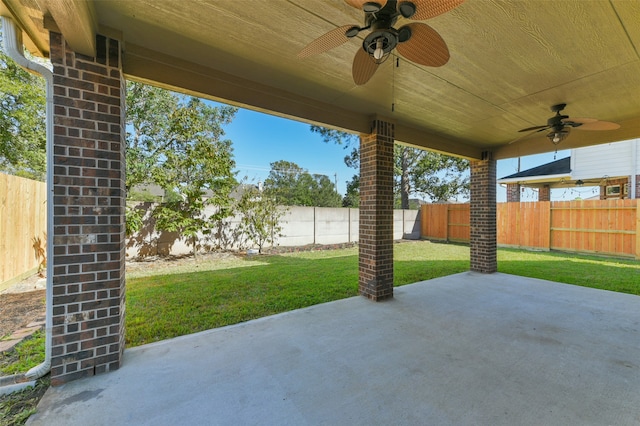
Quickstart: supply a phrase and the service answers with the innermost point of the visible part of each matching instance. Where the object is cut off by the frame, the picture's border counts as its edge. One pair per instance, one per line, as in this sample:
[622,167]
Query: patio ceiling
[510,61]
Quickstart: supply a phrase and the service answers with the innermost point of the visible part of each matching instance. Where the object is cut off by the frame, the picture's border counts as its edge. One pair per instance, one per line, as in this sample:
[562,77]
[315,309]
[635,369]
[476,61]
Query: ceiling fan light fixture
[558,135]
[379,44]
[379,52]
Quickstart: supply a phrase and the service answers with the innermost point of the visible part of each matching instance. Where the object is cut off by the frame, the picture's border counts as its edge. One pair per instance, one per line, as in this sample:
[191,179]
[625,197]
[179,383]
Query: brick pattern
[513,193]
[89,205]
[376,212]
[544,193]
[483,232]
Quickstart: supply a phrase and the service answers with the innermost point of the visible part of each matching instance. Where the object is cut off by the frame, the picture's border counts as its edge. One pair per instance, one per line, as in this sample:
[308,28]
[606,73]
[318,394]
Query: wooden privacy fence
[23,217]
[595,226]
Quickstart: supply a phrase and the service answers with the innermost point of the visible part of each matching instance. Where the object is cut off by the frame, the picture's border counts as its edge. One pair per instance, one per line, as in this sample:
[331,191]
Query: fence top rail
[593,208]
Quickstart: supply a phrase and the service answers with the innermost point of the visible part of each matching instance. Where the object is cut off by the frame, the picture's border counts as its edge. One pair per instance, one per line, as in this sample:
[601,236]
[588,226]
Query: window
[613,190]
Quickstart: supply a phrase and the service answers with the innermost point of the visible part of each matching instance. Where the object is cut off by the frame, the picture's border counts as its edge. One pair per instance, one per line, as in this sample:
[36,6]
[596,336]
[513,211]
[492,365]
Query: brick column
[89,205]
[513,192]
[376,212]
[544,193]
[483,246]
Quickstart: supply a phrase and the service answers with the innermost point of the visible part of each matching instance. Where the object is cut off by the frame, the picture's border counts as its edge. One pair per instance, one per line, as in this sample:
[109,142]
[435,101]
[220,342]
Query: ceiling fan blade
[359,4]
[425,46]
[426,9]
[536,129]
[583,120]
[325,42]
[528,129]
[363,67]
[599,125]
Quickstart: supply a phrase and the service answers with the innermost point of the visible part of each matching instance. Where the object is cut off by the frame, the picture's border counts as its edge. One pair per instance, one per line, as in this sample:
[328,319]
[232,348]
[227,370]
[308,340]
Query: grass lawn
[15,408]
[195,297]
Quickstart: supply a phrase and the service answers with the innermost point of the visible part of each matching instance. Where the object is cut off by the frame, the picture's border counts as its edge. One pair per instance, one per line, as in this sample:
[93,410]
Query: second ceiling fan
[417,42]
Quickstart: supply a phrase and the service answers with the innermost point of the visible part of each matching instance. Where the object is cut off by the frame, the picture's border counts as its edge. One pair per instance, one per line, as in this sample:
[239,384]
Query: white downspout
[14,49]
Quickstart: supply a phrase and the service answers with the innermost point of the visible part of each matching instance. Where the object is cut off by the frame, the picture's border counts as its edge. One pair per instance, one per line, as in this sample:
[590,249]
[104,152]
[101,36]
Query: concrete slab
[468,349]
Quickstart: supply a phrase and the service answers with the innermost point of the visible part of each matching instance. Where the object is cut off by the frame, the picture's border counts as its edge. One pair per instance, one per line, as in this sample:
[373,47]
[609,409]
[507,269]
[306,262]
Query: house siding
[588,163]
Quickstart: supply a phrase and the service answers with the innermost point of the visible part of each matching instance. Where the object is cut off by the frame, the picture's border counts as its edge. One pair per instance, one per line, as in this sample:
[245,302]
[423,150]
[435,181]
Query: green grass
[206,295]
[25,355]
[16,407]
[604,273]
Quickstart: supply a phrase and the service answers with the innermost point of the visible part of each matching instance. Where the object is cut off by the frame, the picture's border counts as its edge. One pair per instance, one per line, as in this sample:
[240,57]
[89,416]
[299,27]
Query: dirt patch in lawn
[19,309]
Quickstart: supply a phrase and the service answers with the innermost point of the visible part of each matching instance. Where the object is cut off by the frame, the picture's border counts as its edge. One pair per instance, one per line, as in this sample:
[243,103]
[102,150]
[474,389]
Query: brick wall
[544,193]
[88,241]
[513,192]
[376,212]
[483,232]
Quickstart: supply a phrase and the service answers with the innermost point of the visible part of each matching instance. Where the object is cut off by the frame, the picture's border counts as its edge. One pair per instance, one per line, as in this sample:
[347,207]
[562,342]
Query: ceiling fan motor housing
[556,120]
[388,38]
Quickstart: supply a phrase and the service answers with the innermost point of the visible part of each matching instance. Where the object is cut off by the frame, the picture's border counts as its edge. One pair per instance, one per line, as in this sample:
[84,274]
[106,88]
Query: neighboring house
[614,167]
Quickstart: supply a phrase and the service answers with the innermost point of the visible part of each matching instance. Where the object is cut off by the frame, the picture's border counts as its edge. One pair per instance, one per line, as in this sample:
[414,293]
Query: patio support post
[544,193]
[376,212]
[89,208]
[513,192]
[483,244]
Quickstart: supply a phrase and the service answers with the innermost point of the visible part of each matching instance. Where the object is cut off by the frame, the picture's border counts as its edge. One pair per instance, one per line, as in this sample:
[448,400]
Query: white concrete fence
[300,226]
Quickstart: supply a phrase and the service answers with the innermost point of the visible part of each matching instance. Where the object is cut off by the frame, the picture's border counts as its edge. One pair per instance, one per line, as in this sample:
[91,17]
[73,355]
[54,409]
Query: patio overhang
[552,181]
[510,61]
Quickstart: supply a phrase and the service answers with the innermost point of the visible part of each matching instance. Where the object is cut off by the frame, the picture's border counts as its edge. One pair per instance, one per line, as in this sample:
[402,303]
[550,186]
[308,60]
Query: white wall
[300,226]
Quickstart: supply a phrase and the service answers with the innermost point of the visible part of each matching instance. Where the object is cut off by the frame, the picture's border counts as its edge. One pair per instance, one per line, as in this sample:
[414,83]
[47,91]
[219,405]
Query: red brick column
[376,212]
[89,205]
[544,193]
[513,192]
[483,246]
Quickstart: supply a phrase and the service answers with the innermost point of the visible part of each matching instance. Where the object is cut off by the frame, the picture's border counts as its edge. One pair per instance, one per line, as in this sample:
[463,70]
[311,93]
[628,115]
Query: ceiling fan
[417,42]
[560,125]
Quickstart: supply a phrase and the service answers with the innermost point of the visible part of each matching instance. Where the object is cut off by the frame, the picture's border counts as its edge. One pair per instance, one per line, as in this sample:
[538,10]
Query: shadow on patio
[466,349]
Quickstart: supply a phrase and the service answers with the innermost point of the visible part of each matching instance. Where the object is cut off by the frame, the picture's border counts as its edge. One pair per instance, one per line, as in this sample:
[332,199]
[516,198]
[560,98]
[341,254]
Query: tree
[259,217]
[324,192]
[283,183]
[405,159]
[441,177]
[22,121]
[291,185]
[352,197]
[176,142]
[148,130]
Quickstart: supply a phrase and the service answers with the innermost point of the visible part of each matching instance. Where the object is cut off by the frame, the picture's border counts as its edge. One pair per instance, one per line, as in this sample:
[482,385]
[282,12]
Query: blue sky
[260,139]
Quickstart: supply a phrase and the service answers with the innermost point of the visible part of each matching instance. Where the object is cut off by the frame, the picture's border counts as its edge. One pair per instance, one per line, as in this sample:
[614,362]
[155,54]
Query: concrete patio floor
[467,349]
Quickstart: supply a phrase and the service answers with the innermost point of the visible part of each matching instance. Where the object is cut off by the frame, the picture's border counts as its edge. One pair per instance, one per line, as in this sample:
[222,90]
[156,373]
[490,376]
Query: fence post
[446,227]
[550,213]
[638,229]
[349,224]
